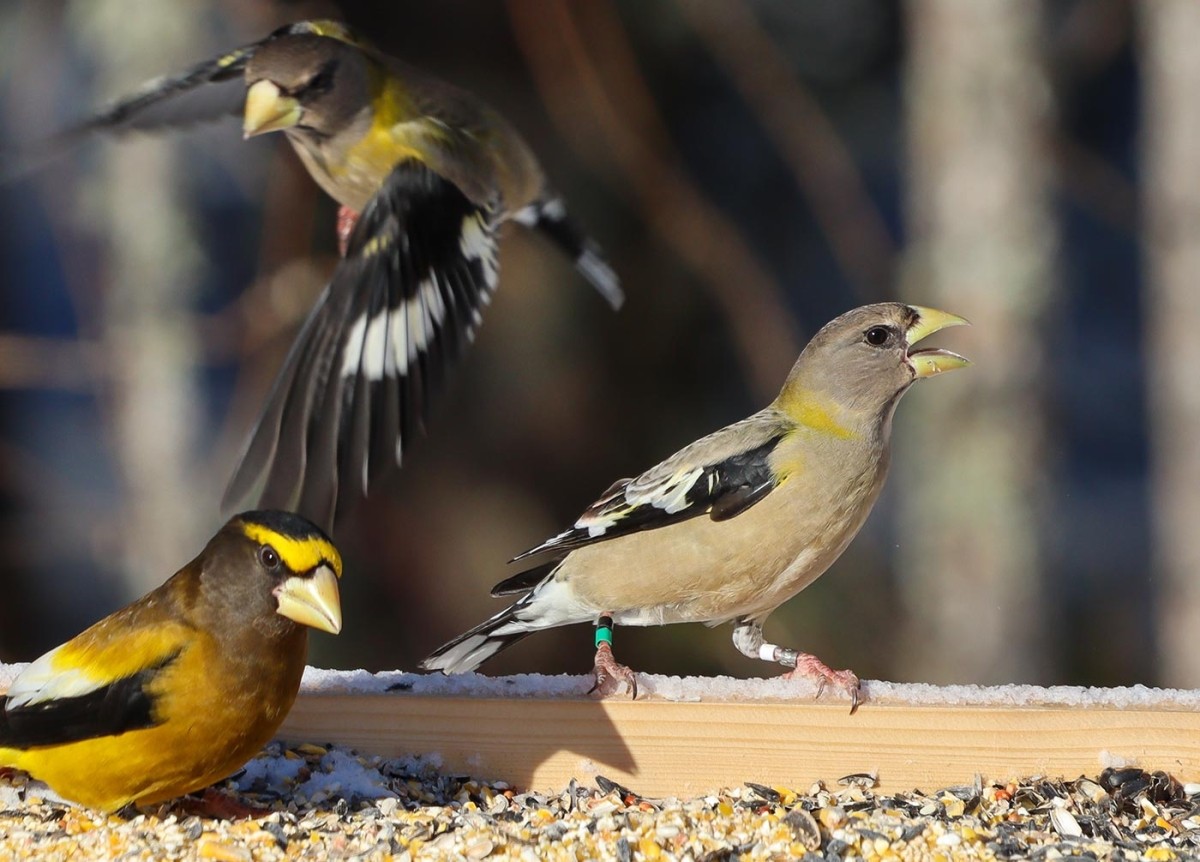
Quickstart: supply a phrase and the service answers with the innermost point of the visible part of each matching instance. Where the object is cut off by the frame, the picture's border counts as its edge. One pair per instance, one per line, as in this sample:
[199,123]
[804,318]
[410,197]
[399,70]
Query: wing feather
[361,378]
[721,475]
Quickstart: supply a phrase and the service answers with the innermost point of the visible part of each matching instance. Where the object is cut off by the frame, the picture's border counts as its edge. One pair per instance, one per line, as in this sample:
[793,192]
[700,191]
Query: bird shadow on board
[470,724]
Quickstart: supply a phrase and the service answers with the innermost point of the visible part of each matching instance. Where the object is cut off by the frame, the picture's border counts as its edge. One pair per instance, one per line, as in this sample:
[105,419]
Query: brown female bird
[733,525]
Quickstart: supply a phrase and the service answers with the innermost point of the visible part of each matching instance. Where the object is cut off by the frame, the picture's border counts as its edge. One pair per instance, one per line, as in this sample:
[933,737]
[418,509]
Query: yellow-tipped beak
[927,363]
[312,601]
[268,110]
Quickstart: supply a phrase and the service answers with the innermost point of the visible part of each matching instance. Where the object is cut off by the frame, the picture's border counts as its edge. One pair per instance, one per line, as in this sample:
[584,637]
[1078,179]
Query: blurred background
[753,168]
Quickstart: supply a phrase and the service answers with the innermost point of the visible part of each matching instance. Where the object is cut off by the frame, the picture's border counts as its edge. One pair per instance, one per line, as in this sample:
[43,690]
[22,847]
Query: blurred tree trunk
[152,268]
[982,243]
[1170,32]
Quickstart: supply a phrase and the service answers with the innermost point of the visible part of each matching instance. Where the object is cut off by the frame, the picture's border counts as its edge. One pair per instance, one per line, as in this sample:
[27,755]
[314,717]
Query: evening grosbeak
[425,173]
[735,524]
[182,687]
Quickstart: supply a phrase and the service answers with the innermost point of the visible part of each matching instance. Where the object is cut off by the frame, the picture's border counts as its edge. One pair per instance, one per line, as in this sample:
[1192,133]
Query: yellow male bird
[735,524]
[180,688]
[426,173]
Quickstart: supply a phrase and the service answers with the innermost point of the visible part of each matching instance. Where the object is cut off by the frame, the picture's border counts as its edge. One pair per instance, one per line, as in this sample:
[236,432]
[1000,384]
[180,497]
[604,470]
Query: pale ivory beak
[927,363]
[268,110]
[312,600]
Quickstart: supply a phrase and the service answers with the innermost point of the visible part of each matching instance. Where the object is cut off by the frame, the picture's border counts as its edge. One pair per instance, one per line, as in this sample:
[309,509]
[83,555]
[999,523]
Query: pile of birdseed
[328,803]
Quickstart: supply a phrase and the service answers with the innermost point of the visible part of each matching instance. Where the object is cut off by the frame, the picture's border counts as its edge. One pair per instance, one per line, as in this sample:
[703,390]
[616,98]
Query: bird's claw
[609,674]
[811,667]
[214,804]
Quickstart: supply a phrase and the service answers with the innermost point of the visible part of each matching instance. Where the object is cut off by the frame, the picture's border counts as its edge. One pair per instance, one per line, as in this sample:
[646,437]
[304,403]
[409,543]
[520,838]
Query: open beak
[268,110]
[312,600]
[934,360]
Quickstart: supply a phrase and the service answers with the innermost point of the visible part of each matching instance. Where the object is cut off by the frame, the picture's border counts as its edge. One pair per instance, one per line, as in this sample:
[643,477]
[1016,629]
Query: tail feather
[471,649]
[549,216]
[550,603]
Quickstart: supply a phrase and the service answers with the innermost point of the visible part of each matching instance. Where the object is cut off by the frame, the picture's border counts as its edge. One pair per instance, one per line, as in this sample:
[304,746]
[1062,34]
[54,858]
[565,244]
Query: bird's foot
[215,805]
[811,667]
[346,220]
[609,674]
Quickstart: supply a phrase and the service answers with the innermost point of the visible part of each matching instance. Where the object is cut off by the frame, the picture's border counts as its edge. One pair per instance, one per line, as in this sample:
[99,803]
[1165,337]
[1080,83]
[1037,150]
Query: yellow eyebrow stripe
[299,555]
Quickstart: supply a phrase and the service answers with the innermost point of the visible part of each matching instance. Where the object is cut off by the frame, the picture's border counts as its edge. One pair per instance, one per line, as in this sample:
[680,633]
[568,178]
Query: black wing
[208,91]
[211,90]
[116,708]
[676,490]
[401,306]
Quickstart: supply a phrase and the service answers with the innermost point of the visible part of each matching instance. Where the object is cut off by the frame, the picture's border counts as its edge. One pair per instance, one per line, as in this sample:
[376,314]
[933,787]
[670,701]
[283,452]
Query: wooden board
[659,748]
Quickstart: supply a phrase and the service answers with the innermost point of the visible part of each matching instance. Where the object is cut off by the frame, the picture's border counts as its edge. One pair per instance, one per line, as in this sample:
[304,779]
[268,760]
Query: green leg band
[604,631]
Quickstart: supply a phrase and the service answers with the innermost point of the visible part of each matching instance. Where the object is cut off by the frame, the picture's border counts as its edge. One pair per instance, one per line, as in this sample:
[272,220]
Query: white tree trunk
[970,460]
[151,265]
[1171,155]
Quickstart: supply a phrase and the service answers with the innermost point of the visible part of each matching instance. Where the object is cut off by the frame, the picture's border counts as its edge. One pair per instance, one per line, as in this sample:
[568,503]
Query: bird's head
[864,360]
[313,80]
[290,557]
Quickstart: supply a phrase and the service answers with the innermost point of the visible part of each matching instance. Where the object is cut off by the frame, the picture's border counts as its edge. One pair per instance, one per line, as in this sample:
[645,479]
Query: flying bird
[426,174]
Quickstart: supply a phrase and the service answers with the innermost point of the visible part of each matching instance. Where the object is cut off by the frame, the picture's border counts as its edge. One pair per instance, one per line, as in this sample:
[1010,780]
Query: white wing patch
[40,683]
[527,216]
[668,494]
[478,243]
[412,327]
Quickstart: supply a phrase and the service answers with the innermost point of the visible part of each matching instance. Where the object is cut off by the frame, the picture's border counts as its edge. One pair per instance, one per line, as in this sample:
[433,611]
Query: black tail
[471,649]
[549,216]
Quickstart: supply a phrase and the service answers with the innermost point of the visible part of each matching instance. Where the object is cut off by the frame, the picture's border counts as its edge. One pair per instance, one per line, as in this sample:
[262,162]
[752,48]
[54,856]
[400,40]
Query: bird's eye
[877,336]
[269,557]
[321,82]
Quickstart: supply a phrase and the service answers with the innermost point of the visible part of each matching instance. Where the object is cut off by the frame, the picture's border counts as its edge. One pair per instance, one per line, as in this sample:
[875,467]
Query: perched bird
[735,524]
[425,173]
[183,686]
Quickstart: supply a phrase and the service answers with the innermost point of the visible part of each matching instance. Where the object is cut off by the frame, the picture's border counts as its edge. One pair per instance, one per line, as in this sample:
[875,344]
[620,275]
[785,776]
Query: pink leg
[811,667]
[609,674]
[748,638]
[346,220]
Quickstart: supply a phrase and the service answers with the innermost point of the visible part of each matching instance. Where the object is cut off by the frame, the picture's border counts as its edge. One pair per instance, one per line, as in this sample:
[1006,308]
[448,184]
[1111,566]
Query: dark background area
[559,397]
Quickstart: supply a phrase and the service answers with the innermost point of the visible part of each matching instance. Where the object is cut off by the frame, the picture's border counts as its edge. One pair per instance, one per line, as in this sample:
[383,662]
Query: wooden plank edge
[660,748]
[756,730]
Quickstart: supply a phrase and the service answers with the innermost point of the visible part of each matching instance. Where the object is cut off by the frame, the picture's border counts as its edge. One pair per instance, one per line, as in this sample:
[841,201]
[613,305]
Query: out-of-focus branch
[34,362]
[613,140]
[805,139]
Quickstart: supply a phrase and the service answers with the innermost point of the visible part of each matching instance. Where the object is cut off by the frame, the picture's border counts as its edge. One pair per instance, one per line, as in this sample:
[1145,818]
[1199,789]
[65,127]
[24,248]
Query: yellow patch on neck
[397,132]
[299,555]
[333,30]
[808,411]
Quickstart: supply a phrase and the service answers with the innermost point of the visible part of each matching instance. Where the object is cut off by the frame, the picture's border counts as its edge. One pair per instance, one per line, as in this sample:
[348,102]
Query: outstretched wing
[402,305]
[721,475]
[211,90]
[208,91]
